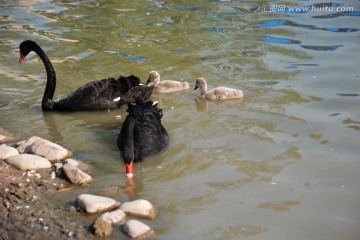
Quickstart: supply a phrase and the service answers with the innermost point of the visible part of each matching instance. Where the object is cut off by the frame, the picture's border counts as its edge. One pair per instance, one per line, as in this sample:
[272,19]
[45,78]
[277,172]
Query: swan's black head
[26,47]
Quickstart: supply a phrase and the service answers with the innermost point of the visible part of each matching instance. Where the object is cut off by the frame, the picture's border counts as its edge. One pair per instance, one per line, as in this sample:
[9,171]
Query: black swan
[142,133]
[96,95]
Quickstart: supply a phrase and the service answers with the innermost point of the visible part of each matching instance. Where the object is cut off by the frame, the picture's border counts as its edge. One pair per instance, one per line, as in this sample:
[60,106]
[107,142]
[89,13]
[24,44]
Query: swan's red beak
[129,171]
[22,58]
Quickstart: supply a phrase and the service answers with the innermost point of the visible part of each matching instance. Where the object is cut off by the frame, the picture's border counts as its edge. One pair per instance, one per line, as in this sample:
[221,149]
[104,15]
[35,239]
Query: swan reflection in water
[202,104]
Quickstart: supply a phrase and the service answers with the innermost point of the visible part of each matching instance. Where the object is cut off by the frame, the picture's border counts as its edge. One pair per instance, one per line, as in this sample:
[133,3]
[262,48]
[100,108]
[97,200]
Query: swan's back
[153,136]
[165,86]
[123,84]
[171,86]
[223,93]
[93,95]
[137,93]
[98,95]
[149,135]
[218,92]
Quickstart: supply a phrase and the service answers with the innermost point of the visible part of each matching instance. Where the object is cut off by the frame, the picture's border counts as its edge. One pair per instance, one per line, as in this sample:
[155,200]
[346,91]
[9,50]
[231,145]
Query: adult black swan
[142,133]
[96,95]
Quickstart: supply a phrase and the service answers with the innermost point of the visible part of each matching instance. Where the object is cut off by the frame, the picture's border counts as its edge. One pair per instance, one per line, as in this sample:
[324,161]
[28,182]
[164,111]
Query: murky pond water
[283,163]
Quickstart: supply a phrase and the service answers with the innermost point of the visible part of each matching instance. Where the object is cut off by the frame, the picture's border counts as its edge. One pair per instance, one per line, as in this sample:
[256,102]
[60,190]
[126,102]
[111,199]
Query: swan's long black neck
[47,102]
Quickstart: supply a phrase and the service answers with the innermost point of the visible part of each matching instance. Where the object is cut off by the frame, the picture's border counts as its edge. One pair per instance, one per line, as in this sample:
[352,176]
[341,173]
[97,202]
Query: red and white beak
[129,171]
[22,58]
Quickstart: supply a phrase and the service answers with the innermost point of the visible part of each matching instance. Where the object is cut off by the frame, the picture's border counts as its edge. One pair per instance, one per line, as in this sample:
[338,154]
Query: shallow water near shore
[282,163]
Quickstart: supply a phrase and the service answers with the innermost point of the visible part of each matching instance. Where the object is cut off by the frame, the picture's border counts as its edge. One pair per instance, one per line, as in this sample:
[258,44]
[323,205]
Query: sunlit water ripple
[287,151]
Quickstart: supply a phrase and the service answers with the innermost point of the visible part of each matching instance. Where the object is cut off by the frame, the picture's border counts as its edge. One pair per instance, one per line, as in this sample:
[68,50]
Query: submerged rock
[6,151]
[5,136]
[94,204]
[102,228]
[140,208]
[103,225]
[137,229]
[75,175]
[28,162]
[42,147]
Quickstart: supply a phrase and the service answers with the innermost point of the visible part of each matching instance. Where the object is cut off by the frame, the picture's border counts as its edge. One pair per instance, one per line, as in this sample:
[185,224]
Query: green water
[283,163]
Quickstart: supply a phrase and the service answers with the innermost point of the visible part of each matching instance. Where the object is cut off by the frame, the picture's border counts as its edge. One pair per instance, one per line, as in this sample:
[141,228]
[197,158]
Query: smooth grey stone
[140,208]
[75,175]
[137,229]
[94,204]
[42,147]
[28,162]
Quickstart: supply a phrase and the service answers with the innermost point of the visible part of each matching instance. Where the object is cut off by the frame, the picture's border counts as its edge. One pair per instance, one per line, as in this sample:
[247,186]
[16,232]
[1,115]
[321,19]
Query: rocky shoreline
[32,169]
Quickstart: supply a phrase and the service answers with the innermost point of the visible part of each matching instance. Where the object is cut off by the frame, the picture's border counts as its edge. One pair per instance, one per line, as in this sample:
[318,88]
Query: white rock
[116,217]
[28,162]
[140,208]
[20,142]
[93,204]
[6,151]
[58,165]
[75,175]
[137,229]
[42,147]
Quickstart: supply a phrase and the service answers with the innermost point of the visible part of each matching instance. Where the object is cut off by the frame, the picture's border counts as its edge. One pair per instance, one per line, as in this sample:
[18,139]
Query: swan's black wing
[123,84]
[100,95]
[152,134]
[149,135]
[95,95]
[137,93]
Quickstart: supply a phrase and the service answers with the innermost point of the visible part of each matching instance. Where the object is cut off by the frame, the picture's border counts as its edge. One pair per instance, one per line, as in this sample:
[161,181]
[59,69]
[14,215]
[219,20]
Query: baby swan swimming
[218,92]
[165,86]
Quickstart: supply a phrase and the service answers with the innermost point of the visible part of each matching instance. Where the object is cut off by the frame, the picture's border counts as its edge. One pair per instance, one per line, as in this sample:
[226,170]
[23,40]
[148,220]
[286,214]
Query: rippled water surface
[283,163]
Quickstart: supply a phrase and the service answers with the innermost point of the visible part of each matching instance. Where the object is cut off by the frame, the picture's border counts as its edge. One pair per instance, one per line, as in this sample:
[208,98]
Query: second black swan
[142,133]
[103,94]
